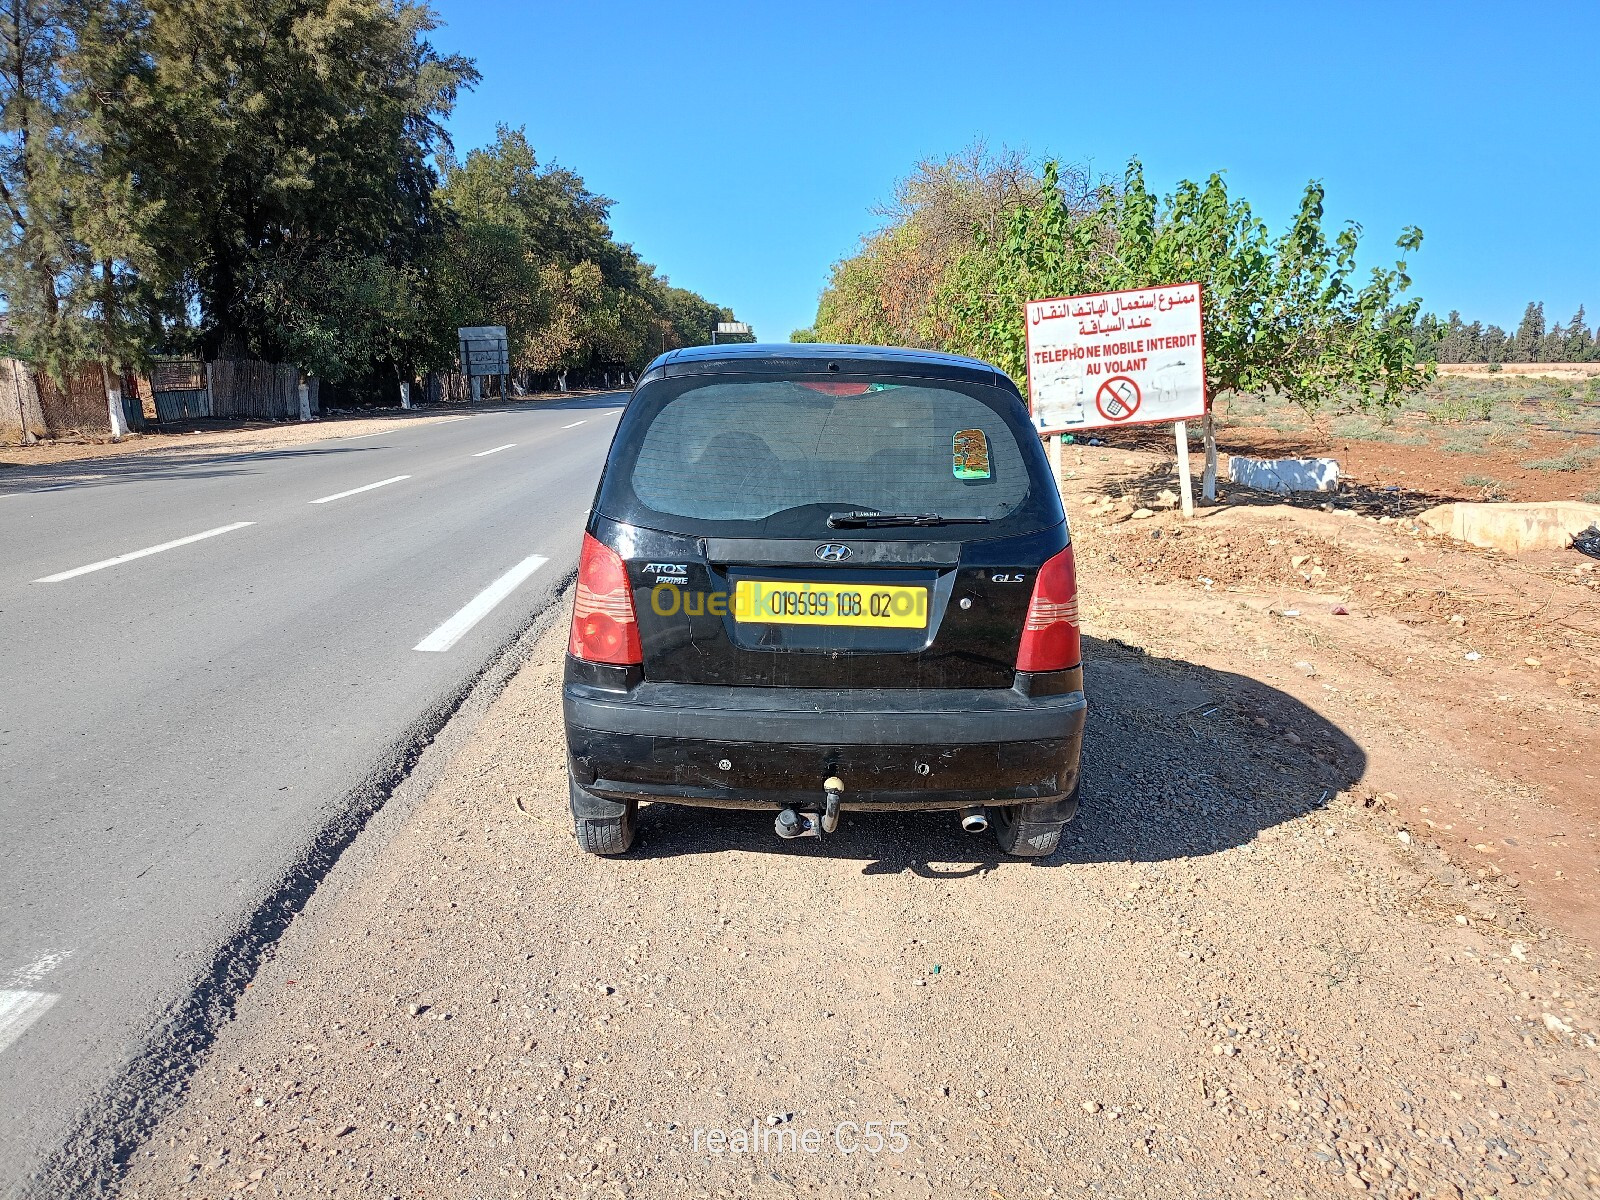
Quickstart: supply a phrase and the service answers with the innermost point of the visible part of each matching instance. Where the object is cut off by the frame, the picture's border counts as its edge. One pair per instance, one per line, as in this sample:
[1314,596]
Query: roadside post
[405,394]
[1112,359]
[305,401]
[484,351]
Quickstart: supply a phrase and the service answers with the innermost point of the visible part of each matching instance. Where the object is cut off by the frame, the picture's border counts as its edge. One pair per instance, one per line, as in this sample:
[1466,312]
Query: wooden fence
[179,389]
[21,417]
[41,406]
[32,405]
[244,387]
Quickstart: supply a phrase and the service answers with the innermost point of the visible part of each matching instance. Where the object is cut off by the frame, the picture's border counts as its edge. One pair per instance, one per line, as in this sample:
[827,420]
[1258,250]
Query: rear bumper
[893,748]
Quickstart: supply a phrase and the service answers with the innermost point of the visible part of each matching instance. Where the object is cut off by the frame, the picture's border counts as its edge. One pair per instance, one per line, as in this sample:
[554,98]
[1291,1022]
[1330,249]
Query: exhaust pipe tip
[974,820]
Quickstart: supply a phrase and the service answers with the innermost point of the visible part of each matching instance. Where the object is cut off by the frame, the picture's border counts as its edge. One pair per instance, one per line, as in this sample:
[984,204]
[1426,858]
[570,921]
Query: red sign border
[1205,396]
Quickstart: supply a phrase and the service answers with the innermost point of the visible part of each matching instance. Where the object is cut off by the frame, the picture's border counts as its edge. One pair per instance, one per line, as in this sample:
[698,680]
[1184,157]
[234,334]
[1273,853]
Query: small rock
[344,1130]
[1530,661]
[1140,514]
[1403,838]
[980,1093]
[1091,1106]
[1555,1024]
[1400,558]
[1305,669]
[1340,610]
[1494,1081]
[1299,560]
[416,1010]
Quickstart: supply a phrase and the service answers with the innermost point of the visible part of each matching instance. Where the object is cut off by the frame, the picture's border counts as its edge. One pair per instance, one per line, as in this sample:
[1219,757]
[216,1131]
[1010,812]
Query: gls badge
[999,577]
[833,552]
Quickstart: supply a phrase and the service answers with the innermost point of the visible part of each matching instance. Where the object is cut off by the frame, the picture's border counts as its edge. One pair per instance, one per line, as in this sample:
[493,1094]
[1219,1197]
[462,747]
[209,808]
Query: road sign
[1118,398]
[484,350]
[1116,358]
[732,327]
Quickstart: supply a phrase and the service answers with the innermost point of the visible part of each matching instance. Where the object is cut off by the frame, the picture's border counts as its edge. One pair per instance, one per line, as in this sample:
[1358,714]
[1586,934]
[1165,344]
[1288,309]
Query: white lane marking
[56,487]
[496,450]
[122,558]
[18,1010]
[35,971]
[479,606]
[574,425]
[362,437]
[359,490]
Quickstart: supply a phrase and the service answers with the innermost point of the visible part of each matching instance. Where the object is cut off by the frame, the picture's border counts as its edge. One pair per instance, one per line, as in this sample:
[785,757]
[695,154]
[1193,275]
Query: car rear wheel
[1030,830]
[601,826]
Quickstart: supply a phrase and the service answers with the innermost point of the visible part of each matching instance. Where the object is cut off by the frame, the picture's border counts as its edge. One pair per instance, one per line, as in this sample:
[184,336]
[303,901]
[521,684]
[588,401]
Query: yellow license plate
[764,602]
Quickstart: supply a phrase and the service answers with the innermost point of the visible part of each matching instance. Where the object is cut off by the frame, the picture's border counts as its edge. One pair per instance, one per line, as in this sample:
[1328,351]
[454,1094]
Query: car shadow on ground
[1179,761]
[164,464]
[180,462]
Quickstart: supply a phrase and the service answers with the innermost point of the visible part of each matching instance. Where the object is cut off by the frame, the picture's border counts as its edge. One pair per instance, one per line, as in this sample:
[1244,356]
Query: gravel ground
[1234,981]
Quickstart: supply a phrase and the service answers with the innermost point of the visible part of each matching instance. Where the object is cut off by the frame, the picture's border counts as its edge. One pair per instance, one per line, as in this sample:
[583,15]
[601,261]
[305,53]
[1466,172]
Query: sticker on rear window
[970,454]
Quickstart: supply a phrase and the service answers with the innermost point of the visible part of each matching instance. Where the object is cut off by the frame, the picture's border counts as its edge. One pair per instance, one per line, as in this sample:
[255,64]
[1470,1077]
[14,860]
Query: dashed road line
[574,425]
[148,550]
[480,606]
[359,490]
[20,1005]
[494,450]
[18,1010]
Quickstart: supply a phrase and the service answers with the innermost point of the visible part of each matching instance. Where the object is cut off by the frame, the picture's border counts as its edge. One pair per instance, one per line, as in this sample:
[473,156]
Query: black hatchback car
[821,579]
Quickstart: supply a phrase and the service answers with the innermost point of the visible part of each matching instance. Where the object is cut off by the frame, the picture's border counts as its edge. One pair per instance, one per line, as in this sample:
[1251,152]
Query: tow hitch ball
[794,824]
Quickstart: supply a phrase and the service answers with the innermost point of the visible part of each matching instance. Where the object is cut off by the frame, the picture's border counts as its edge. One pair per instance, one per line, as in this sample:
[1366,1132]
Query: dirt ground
[1470,435]
[1324,926]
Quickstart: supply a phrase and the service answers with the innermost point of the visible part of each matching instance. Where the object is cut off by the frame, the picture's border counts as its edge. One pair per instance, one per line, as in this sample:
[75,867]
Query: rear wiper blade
[881,520]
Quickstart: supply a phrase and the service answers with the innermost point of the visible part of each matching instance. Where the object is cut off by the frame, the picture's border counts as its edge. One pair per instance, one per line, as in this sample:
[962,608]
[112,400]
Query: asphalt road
[178,728]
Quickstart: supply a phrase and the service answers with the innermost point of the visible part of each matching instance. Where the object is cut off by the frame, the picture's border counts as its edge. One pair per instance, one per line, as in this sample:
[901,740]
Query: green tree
[1525,345]
[73,238]
[1580,343]
[530,247]
[1286,314]
[284,134]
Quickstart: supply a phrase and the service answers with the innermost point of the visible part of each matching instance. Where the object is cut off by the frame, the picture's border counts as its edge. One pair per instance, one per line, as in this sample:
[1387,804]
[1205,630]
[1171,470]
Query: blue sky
[745,145]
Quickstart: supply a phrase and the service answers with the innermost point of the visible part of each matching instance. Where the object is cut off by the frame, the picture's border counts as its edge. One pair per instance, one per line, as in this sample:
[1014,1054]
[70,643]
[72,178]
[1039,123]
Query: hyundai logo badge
[833,552]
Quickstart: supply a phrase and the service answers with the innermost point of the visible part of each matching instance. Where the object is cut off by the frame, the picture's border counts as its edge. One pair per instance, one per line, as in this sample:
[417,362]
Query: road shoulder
[1227,978]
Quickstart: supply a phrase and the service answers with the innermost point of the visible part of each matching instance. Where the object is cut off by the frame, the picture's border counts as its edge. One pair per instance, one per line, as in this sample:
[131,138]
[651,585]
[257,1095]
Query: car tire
[601,826]
[1030,830]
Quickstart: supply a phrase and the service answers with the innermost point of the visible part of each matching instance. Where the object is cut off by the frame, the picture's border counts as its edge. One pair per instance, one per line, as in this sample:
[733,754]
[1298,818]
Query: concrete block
[1513,528]
[1285,475]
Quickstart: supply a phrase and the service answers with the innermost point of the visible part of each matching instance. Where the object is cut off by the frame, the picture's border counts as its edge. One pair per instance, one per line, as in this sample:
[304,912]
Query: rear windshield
[778,456]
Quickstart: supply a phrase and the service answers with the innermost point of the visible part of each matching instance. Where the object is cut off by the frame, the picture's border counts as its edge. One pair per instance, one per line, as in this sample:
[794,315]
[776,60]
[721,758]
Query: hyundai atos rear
[824,579]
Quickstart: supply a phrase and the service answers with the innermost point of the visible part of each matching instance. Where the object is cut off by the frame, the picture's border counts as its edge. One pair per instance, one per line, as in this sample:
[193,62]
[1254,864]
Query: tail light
[604,627]
[1050,633]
